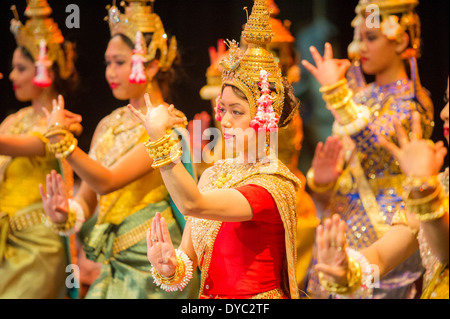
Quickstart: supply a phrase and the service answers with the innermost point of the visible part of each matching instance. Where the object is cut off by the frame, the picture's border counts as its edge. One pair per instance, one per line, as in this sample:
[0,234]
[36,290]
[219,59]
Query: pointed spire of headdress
[258,29]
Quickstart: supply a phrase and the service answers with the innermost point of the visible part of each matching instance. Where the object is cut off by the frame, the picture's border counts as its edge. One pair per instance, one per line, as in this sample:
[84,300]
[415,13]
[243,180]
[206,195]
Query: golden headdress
[243,70]
[280,47]
[139,17]
[398,17]
[40,27]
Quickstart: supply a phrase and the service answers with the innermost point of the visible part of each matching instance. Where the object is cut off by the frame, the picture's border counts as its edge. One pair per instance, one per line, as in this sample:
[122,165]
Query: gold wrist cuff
[64,147]
[164,150]
[339,99]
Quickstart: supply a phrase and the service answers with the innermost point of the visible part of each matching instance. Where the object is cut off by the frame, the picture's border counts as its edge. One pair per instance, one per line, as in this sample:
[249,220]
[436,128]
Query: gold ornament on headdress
[243,70]
[398,17]
[41,27]
[138,17]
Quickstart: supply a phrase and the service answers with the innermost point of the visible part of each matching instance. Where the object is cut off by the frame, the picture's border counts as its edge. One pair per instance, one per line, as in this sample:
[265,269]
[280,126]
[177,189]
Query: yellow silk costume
[118,239]
[34,258]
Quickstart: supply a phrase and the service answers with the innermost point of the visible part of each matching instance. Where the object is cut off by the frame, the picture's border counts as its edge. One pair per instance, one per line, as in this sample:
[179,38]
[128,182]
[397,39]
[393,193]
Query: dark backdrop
[197,25]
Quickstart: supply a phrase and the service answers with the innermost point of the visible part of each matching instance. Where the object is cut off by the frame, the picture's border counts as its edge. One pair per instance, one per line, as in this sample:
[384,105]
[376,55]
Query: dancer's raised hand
[160,250]
[327,70]
[157,120]
[332,259]
[55,199]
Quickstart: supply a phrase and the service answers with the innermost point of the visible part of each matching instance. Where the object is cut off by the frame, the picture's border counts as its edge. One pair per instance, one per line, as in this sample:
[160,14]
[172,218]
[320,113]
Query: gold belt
[135,235]
[23,221]
[277,293]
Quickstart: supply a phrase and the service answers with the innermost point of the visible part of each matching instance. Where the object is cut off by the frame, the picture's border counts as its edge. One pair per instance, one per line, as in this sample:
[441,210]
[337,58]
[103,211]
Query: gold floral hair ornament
[243,69]
[398,17]
[42,38]
[139,17]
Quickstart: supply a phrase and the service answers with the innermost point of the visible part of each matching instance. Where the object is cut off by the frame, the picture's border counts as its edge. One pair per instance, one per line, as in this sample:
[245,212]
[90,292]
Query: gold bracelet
[315,188]
[69,151]
[160,162]
[435,214]
[421,184]
[354,276]
[68,224]
[181,277]
[54,132]
[338,96]
[160,141]
[162,150]
[347,113]
[53,147]
[328,88]
[64,147]
[176,277]
[424,200]
[342,105]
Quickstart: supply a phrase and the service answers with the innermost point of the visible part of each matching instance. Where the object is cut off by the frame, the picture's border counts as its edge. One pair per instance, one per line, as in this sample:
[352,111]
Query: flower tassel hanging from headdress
[218,108]
[138,59]
[266,119]
[42,64]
